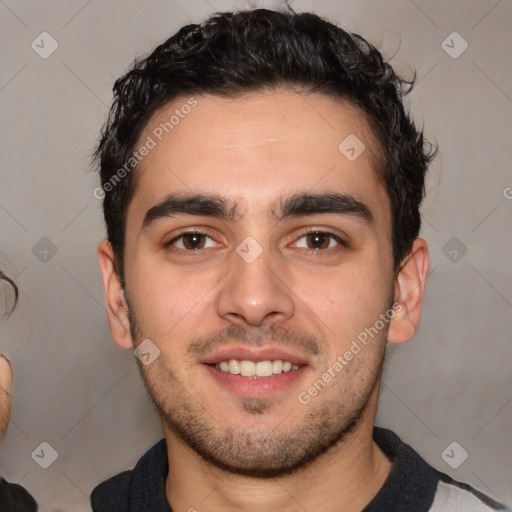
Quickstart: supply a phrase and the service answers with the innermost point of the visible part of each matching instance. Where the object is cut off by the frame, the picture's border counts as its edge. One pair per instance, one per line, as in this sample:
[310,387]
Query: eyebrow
[296,205]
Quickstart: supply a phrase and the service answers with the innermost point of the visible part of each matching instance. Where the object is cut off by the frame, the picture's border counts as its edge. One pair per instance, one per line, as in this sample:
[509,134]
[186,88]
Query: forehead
[256,148]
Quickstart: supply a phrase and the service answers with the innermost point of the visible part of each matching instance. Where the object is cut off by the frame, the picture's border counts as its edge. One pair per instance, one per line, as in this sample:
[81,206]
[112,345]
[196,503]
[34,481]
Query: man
[261,185]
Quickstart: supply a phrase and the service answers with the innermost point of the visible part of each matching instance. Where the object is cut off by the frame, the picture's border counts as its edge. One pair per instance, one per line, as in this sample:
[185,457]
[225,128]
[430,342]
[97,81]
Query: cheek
[345,301]
[167,298]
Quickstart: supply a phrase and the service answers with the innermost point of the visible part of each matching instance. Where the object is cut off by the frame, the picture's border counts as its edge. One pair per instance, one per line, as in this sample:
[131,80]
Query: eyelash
[342,243]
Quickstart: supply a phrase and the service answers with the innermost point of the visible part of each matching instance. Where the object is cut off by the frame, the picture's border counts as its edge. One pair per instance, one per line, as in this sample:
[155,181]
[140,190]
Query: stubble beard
[252,451]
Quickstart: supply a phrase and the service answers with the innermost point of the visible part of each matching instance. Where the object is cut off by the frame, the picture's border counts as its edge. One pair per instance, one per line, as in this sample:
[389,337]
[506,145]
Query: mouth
[255,373]
[255,369]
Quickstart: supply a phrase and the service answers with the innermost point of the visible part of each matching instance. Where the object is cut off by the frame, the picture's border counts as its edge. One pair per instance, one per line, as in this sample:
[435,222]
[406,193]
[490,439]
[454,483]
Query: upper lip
[241,353]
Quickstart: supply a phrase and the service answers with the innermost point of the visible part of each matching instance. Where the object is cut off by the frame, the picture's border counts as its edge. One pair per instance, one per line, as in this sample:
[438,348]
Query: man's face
[264,280]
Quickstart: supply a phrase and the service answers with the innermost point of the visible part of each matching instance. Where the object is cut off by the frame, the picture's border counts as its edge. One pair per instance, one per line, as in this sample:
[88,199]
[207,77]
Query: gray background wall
[78,392]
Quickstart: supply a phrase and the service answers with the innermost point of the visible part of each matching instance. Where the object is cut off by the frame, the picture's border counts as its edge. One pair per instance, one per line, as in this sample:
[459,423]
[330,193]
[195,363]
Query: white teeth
[234,366]
[277,367]
[264,369]
[248,368]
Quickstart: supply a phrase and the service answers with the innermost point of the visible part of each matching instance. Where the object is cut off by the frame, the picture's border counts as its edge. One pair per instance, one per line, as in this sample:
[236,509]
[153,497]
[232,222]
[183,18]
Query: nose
[255,291]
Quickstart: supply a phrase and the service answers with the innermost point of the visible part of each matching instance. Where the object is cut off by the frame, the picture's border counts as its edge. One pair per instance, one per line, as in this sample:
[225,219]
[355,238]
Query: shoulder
[112,494]
[454,495]
[413,484]
[127,490]
[15,497]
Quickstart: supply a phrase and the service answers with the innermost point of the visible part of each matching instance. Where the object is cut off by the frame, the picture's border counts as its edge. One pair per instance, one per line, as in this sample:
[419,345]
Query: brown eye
[191,241]
[194,241]
[318,240]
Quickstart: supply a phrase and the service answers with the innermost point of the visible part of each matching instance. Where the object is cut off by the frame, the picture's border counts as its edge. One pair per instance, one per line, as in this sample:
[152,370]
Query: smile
[260,369]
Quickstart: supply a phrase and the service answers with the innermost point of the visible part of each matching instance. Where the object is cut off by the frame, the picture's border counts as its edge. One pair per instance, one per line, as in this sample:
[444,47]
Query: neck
[346,477]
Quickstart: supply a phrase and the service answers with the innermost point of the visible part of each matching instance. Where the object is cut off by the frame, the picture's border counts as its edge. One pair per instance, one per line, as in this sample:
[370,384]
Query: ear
[117,307]
[409,290]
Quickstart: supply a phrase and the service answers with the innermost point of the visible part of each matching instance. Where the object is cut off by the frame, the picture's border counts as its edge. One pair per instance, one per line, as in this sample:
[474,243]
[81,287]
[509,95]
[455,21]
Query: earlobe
[409,292]
[117,307]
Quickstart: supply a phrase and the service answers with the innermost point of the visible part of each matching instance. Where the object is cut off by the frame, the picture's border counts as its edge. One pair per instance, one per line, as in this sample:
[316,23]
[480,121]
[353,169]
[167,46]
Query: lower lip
[255,388]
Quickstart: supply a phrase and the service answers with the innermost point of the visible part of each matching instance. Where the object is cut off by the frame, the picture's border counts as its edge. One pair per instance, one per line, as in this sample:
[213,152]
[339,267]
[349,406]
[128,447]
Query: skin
[228,452]
[6,378]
